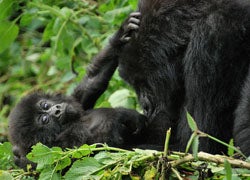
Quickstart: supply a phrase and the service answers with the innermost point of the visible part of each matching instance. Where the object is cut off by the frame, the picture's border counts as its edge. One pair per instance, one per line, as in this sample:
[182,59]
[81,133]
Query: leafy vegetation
[98,161]
[46,45]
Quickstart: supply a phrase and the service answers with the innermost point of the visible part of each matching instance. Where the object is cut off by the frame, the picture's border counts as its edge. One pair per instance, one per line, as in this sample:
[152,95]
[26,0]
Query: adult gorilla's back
[190,55]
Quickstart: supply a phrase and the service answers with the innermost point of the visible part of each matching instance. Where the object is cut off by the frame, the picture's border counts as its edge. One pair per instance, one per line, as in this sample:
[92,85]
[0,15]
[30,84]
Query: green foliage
[194,139]
[6,156]
[100,161]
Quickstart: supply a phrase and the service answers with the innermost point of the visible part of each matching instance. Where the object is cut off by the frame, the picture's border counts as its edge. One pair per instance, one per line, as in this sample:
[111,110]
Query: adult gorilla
[193,55]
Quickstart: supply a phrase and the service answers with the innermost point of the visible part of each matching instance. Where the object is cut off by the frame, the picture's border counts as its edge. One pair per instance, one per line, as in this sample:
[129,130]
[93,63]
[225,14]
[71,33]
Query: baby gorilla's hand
[129,127]
[131,26]
[127,30]
[20,158]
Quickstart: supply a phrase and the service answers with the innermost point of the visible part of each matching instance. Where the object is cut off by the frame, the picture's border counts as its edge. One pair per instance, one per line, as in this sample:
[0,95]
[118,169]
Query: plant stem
[167,143]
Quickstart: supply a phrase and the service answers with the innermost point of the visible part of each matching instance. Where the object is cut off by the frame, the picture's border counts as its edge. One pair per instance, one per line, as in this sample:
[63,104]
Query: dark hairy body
[190,55]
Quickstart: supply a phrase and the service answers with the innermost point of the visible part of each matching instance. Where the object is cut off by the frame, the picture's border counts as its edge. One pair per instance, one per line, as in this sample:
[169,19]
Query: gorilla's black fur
[242,119]
[193,55]
[56,120]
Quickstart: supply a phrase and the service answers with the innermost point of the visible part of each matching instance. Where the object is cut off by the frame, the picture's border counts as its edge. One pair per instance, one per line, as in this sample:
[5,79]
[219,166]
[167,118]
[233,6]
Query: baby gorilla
[57,120]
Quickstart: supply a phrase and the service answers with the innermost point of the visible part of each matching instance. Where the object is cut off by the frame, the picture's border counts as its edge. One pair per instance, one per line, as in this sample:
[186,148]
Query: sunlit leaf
[5,8]
[5,175]
[122,98]
[150,174]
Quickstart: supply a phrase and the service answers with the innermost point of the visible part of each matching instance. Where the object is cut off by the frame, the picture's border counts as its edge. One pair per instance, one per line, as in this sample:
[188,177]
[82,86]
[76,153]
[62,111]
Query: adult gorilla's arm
[104,64]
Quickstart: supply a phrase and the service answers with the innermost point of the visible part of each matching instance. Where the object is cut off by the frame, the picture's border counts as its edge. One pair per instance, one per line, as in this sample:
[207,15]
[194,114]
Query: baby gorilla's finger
[133,20]
[132,26]
[124,38]
[135,14]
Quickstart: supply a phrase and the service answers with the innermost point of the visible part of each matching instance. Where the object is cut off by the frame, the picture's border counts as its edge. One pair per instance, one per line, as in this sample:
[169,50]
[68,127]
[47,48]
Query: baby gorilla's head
[40,117]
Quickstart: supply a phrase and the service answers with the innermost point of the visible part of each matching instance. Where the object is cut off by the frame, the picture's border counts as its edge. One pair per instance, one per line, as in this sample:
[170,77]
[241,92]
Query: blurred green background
[42,43]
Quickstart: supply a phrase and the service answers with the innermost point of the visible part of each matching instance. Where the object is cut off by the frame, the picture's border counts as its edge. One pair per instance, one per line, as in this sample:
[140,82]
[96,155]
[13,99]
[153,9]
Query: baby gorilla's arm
[115,126]
[104,64]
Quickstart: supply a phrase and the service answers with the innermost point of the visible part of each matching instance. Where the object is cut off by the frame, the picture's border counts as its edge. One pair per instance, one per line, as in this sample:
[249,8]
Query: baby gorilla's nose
[57,110]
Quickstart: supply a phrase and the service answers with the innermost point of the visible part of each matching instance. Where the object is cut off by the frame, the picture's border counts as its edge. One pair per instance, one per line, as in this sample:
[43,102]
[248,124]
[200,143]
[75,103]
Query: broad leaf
[83,169]
[42,155]
[122,98]
[5,8]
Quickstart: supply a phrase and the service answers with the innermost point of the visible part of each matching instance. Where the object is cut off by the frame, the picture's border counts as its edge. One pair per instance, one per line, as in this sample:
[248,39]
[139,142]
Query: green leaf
[5,175]
[66,12]
[48,32]
[195,147]
[63,163]
[151,173]
[5,149]
[6,156]
[83,169]
[42,155]
[122,98]
[26,19]
[49,173]
[5,8]
[8,33]
[84,150]
[230,151]
[228,170]
[104,157]
[190,141]
[192,124]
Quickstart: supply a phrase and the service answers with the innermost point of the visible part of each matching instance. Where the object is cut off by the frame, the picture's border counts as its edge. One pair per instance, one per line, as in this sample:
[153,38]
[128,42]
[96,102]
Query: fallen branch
[219,159]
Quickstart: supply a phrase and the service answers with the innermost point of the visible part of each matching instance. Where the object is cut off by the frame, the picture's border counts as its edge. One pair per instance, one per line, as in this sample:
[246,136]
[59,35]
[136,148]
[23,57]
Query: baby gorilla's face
[41,117]
[61,112]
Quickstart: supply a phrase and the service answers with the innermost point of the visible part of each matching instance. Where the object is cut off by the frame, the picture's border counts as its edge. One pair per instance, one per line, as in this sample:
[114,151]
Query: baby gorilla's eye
[44,119]
[44,105]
